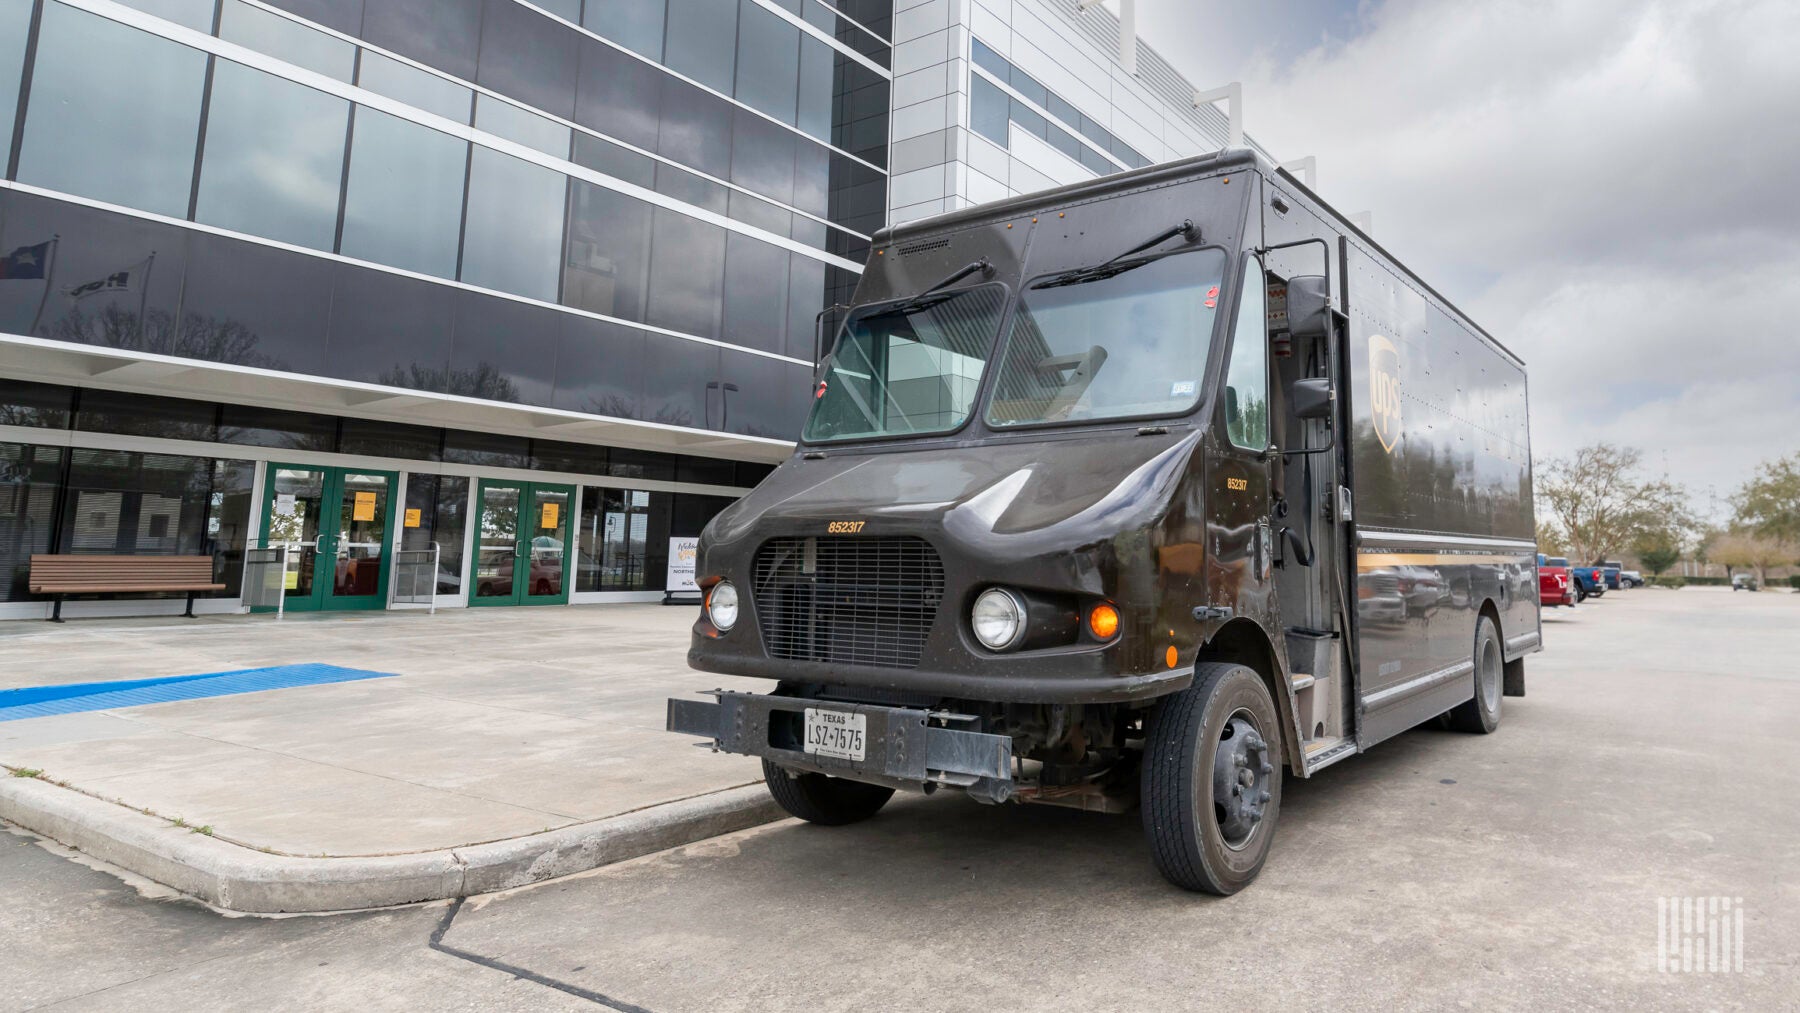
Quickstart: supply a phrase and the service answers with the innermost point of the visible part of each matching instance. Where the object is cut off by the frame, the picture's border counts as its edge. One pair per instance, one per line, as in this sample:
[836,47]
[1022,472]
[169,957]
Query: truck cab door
[1238,480]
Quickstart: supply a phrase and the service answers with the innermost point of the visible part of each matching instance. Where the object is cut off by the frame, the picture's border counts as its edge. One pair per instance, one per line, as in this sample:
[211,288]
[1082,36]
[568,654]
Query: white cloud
[1608,186]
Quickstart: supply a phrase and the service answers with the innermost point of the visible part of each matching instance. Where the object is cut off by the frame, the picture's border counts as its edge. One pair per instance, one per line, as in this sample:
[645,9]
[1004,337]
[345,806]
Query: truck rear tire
[1481,713]
[827,801]
[1211,785]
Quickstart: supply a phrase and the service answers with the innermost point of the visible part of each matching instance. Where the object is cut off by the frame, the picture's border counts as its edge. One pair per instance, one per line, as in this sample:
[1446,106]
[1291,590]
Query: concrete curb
[237,878]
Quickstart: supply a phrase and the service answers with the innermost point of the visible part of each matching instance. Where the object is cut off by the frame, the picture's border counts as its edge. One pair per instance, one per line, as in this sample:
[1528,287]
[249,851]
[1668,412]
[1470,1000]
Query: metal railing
[265,578]
[414,578]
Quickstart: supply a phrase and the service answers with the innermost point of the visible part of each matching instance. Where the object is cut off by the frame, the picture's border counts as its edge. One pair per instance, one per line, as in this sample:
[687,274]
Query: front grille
[852,601]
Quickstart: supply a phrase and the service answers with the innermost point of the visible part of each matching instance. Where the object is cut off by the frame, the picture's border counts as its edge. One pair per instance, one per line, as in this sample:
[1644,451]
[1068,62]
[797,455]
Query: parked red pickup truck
[1555,585]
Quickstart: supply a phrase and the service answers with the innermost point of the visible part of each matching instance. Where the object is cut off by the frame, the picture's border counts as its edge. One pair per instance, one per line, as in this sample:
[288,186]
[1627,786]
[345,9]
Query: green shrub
[1668,581]
[1709,581]
[1794,581]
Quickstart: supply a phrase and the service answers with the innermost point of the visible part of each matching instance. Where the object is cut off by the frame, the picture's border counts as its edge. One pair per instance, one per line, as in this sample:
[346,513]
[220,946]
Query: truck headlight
[998,619]
[722,605]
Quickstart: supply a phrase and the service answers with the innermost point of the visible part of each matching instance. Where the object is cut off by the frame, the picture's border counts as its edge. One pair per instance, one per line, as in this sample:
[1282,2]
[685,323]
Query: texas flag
[25,262]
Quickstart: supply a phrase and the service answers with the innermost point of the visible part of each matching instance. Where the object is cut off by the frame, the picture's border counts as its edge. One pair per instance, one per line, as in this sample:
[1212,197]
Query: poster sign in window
[682,555]
[365,507]
[412,516]
[552,515]
[284,504]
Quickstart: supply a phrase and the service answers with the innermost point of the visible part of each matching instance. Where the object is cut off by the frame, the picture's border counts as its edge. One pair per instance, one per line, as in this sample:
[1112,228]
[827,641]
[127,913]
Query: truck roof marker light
[1103,621]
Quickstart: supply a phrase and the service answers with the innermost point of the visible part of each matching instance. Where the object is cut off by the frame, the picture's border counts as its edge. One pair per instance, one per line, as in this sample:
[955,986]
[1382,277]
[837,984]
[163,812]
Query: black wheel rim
[1241,771]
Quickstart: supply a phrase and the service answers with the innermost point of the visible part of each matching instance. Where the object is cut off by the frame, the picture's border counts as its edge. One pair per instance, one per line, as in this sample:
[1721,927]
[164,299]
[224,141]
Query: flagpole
[143,300]
[49,281]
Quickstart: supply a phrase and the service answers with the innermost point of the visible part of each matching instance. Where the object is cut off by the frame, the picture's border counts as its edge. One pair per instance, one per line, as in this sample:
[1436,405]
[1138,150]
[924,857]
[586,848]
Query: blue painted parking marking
[71,698]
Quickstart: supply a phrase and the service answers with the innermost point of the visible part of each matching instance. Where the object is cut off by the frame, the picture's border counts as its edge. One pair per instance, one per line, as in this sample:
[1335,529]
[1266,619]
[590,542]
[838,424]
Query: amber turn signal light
[1103,621]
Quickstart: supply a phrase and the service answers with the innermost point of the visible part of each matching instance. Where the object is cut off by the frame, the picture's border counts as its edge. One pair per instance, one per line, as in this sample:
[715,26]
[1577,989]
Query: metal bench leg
[189,614]
[56,611]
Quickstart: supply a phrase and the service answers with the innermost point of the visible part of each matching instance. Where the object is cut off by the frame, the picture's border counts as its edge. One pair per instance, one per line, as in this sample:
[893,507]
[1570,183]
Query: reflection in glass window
[817,61]
[513,237]
[989,110]
[1128,341]
[15,25]
[255,28]
[415,87]
[443,505]
[635,24]
[756,289]
[687,265]
[619,527]
[274,157]
[1247,377]
[195,14]
[768,70]
[404,203]
[909,367]
[81,138]
[38,405]
[502,118]
[609,252]
[27,511]
[125,504]
[702,42]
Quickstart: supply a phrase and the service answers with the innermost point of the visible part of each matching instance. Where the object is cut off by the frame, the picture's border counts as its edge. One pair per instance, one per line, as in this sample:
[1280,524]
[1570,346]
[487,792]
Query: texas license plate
[836,733]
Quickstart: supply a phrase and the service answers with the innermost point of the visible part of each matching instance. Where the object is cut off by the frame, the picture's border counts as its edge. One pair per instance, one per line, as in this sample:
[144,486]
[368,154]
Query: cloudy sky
[1610,187]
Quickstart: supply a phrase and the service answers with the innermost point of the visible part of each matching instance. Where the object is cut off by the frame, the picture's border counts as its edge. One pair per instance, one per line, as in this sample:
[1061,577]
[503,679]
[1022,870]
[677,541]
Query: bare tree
[1745,550]
[1602,504]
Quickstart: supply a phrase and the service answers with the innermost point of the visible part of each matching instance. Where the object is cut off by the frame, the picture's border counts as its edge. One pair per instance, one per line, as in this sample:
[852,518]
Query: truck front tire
[827,801]
[1211,785]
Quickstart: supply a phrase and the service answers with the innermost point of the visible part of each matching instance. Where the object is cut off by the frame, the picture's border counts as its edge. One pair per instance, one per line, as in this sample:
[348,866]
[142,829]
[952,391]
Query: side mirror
[1312,397]
[1308,306]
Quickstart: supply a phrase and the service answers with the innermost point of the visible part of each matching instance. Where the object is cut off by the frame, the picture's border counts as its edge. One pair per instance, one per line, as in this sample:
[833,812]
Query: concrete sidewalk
[513,745]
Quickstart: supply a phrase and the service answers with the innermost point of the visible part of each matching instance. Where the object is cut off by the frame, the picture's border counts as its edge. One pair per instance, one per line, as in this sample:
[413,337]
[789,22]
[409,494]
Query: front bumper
[904,747]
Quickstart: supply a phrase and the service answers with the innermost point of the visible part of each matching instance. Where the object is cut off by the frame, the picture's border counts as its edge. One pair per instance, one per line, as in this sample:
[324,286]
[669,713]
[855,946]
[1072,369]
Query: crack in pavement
[443,928]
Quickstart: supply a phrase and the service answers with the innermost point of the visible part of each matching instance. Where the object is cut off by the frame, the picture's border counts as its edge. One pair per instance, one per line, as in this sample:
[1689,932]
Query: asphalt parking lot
[1652,758]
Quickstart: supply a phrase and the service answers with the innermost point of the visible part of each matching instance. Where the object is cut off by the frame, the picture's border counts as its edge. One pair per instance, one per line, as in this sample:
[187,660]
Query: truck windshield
[907,368]
[1126,342]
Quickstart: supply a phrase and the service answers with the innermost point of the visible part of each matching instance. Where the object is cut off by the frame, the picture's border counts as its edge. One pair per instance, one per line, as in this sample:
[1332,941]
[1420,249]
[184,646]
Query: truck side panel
[1442,499]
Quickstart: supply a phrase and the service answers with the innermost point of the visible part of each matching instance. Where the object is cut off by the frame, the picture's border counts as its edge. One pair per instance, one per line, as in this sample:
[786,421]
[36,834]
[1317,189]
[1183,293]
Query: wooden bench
[63,575]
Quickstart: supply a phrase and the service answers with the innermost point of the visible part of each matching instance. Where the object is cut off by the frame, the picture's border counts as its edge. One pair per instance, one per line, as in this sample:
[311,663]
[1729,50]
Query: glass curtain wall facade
[643,203]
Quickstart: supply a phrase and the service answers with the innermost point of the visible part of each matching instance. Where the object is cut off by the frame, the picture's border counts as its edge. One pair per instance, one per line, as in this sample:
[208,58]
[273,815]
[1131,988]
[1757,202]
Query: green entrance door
[521,544]
[336,524]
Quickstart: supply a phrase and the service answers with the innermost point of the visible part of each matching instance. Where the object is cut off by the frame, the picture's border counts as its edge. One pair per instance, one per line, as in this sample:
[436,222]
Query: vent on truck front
[851,601]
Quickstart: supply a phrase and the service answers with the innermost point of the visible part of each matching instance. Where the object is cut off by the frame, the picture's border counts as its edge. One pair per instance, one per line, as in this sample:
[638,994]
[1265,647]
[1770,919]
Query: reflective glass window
[15,25]
[987,59]
[680,380]
[614,160]
[110,411]
[817,63]
[443,505]
[254,305]
[1247,375]
[109,279]
[1030,120]
[768,68]
[502,350]
[273,427]
[287,40]
[390,330]
[493,450]
[274,157]
[762,156]
[635,24]
[687,267]
[513,238]
[623,463]
[502,118]
[618,94]
[690,188]
[27,511]
[771,397]
[579,458]
[764,215]
[195,14]
[989,110]
[702,41]
[609,252]
[695,129]
[38,405]
[756,288]
[622,544]
[529,57]
[81,139]
[342,15]
[1028,86]
[599,368]
[1066,143]
[389,439]
[415,87]
[806,297]
[568,10]
[403,205]
[445,34]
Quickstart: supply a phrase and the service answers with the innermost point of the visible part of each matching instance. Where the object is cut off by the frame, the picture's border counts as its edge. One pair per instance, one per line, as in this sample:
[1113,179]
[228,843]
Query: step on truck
[1143,493]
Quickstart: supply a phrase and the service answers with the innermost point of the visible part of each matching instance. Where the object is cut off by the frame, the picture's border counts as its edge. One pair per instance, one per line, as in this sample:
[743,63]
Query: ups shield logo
[1384,390]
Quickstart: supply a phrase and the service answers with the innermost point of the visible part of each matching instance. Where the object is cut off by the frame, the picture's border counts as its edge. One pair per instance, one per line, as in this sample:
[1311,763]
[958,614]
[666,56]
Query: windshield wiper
[922,299]
[1114,267]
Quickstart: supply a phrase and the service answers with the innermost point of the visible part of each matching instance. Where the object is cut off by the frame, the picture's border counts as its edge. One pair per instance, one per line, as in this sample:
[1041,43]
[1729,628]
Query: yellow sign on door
[552,515]
[365,507]
[412,516]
